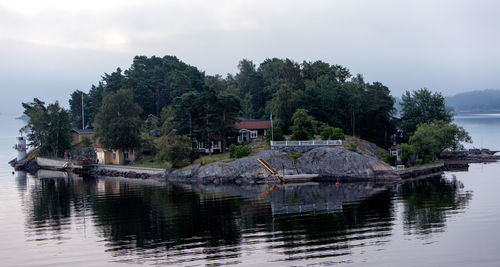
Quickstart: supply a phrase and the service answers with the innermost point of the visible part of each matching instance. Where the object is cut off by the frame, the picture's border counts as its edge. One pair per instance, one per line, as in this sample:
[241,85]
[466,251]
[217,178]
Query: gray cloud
[50,48]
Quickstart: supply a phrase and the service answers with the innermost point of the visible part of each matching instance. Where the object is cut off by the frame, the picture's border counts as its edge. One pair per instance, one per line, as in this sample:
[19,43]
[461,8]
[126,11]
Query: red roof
[253,125]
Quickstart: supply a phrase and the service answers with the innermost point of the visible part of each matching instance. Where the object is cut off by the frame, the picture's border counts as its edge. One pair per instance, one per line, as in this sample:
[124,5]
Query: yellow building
[114,156]
[78,135]
[103,155]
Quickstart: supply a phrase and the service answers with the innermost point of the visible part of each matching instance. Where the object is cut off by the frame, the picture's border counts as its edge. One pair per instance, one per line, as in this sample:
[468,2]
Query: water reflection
[223,224]
[427,203]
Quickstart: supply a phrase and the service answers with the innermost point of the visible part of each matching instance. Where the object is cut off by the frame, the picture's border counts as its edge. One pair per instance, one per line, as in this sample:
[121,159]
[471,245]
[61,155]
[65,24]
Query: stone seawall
[127,171]
[300,149]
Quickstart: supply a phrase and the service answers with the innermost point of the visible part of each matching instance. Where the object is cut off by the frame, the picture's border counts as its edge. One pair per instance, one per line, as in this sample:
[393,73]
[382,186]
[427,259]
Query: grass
[210,159]
[259,145]
[150,163]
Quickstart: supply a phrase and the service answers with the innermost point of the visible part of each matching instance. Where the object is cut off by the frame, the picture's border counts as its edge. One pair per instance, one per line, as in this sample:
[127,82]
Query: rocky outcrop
[27,165]
[330,163]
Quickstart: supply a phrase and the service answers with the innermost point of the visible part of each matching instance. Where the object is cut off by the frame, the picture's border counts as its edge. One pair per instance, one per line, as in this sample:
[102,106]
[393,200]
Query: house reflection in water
[108,187]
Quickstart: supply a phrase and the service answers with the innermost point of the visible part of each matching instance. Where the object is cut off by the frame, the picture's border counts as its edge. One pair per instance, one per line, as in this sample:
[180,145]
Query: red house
[251,129]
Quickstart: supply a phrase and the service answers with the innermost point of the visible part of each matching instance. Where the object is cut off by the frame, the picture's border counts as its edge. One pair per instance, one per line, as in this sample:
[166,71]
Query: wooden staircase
[267,166]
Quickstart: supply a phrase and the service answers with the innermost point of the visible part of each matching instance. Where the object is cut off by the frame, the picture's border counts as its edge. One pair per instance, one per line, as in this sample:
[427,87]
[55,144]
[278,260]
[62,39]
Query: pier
[421,171]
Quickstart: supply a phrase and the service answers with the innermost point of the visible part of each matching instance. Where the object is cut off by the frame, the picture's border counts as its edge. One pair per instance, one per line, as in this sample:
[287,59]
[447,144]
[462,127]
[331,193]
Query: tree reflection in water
[428,202]
[217,224]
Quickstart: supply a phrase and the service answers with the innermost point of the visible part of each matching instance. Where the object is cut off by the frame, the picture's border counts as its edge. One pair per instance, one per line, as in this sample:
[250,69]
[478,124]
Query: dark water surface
[450,220]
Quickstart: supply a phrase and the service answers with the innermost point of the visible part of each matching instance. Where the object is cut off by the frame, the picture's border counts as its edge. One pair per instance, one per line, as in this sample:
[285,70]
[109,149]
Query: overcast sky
[50,48]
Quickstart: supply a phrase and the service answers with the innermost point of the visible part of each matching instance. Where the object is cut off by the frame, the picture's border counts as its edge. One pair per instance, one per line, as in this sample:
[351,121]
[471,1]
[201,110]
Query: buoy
[337,184]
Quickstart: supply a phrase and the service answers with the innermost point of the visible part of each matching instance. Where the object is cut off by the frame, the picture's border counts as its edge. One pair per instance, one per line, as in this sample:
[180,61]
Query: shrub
[407,154]
[238,151]
[176,150]
[389,159]
[294,155]
[278,134]
[304,125]
[352,147]
[331,133]
[147,144]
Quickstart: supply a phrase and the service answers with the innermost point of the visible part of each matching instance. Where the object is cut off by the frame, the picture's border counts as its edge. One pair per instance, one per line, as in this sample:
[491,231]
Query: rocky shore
[330,163]
[322,163]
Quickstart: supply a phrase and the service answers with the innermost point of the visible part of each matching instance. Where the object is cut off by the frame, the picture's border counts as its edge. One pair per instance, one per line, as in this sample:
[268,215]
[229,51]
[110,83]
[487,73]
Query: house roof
[84,131]
[253,125]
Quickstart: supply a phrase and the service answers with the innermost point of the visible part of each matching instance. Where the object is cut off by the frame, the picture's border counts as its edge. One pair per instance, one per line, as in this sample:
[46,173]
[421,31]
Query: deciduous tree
[48,128]
[419,107]
[117,125]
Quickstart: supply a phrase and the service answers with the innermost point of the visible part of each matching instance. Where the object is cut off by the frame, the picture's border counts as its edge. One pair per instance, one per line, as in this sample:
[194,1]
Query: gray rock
[329,162]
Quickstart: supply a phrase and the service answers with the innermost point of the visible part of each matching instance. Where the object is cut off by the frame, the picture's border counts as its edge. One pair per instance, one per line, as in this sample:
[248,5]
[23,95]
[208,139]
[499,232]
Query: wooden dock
[299,178]
[421,171]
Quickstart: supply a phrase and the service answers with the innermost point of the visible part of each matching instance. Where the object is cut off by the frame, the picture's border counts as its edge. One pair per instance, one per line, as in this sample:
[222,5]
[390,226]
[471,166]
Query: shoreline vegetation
[161,112]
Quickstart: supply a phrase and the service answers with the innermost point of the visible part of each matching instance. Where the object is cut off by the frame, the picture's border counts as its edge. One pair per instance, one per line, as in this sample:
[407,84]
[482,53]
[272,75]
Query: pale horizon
[52,48]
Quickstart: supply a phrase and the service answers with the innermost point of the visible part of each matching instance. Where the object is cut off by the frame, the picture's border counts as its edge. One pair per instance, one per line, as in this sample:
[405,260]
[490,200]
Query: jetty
[421,171]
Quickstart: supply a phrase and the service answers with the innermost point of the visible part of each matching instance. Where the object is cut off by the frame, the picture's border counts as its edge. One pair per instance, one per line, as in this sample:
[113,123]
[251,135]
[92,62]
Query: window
[125,155]
[253,134]
[216,145]
[114,155]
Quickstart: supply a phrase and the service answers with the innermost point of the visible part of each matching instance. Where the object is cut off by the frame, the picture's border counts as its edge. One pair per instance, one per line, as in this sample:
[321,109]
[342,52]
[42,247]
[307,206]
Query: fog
[51,48]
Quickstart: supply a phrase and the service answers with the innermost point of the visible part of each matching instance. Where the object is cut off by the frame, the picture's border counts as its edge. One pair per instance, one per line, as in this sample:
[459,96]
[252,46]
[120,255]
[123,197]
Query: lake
[449,220]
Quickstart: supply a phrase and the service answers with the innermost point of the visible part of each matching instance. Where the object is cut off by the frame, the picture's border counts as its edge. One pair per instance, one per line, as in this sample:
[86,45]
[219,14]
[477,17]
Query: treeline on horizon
[476,101]
[194,103]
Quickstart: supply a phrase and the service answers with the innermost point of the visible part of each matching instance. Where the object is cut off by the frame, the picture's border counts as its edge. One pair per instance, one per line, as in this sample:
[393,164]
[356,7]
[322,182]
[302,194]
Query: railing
[307,143]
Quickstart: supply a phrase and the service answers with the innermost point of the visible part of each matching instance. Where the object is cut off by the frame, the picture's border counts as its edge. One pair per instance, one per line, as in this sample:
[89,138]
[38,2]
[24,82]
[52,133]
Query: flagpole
[83,115]
[272,128]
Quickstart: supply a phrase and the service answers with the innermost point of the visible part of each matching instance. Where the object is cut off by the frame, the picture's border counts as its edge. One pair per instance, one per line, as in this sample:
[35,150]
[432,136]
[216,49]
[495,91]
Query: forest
[201,106]
[475,101]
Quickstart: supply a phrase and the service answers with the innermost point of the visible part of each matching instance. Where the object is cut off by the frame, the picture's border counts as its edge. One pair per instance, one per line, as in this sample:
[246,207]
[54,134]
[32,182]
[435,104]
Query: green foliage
[207,159]
[304,126]
[167,119]
[331,133]
[48,128]
[238,151]
[376,123]
[75,104]
[352,147]
[176,150]
[294,155]
[283,104]
[87,141]
[420,107]
[430,139]
[406,153]
[278,134]
[250,85]
[147,144]
[117,125]
[388,158]
[201,106]
[151,163]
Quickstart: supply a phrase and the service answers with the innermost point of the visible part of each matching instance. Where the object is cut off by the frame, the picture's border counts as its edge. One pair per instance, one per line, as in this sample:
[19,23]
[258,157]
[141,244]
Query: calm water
[452,220]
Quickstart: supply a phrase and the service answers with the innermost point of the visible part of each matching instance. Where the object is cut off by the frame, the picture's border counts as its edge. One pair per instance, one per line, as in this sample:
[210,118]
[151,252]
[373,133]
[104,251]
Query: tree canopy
[118,124]
[422,106]
[304,125]
[203,106]
[430,139]
[48,128]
